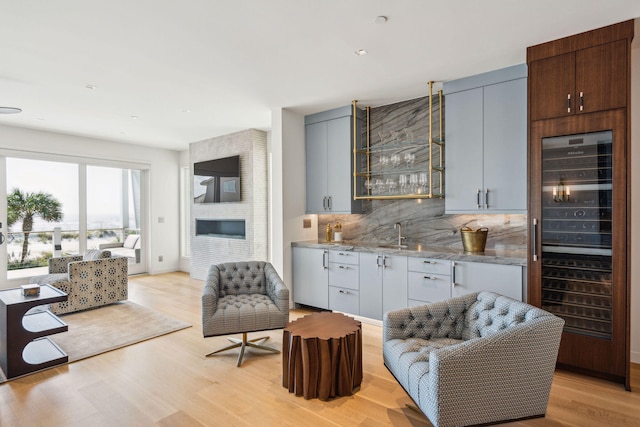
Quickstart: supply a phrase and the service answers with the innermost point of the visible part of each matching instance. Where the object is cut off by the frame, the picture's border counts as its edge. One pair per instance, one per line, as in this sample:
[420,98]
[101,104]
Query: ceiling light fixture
[92,87]
[186,110]
[380,19]
[10,110]
[134,117]
[361,52]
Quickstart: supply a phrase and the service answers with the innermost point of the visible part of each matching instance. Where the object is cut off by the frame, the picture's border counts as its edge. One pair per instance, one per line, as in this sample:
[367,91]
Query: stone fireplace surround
[208,249]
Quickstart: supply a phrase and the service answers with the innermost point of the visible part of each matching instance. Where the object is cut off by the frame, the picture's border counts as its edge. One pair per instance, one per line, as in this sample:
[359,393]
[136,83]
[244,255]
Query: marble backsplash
[423,220]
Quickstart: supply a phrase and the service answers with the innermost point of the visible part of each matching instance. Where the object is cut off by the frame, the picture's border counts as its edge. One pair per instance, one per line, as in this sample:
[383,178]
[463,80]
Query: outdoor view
[43,195]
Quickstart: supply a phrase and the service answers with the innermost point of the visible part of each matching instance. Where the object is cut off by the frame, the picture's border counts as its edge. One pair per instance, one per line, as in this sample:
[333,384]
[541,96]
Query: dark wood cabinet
[579,196]
[566,80]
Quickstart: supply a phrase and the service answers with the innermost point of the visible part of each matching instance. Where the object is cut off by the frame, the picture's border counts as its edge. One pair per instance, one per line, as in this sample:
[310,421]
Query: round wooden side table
[322,356]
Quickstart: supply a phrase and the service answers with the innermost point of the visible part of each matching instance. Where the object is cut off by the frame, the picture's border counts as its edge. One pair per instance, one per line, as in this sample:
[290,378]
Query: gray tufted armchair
[475,359]
[243,297]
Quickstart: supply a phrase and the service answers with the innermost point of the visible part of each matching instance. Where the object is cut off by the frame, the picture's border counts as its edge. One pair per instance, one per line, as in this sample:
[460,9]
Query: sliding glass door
[57,208]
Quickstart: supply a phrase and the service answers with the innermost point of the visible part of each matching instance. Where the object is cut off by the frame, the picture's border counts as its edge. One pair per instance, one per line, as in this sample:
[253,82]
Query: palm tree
[25,206]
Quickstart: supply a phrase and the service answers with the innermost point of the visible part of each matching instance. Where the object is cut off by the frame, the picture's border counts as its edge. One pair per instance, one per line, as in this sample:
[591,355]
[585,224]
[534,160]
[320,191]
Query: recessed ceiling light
[380,19]
[186,110]
[10,110]
[361,52]
[92,87]
[134,117]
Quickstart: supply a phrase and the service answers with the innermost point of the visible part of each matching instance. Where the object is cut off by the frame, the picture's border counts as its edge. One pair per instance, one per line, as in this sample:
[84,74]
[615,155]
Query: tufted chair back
[238,278]
[491,313]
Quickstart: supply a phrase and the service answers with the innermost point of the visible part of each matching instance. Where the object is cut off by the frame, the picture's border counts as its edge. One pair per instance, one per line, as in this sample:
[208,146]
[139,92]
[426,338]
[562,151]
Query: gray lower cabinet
[383,284]
[370,284]
[468,277]
[311,277]
[429,280]
[344,281]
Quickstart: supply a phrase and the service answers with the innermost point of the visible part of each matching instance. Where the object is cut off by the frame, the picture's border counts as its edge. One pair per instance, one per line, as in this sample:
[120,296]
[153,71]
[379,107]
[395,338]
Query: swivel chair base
[244,343]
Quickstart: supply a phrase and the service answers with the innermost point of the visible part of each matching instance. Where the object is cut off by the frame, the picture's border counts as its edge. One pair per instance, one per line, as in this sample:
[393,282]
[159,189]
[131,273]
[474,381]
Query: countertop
[490,256]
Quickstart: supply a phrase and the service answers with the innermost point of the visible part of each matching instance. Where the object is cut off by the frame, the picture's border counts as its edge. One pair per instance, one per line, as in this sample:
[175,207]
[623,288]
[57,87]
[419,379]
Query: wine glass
[402,179]
[424,181]
[368,184]
[379,185]
[413,179]
[395,159]
[391,185]
[409,158]
[384,161]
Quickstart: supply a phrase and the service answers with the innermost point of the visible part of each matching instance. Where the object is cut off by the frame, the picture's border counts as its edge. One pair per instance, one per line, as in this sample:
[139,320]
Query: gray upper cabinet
[329,162]
[486,133]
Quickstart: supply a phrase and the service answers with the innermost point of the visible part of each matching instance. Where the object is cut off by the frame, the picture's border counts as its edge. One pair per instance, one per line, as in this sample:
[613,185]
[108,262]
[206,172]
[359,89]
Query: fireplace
[227,228]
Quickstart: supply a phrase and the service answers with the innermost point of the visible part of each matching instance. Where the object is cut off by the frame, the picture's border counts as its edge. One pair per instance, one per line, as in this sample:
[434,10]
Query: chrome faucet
[398,226]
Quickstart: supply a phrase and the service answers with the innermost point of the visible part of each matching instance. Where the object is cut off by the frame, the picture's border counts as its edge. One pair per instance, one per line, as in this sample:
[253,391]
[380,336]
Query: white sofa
[130,248]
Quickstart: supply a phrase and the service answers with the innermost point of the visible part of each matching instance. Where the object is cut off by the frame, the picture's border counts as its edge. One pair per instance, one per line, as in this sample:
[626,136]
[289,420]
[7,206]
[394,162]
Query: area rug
[107,328]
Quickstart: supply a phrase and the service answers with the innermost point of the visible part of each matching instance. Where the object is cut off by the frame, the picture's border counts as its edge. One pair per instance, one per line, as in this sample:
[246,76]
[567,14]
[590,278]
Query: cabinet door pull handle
[568,103]
[378,258]
[430,277]
[453,275]
[478,198]
[324,259]
[581,101]
[486,198]
[384,261]
[343,267]
[343,292]
[535,239]
[429,262]
[329,203]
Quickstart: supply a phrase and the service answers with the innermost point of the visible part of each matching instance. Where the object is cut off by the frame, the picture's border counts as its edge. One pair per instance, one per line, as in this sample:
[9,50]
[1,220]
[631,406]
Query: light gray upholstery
[88,283]
[243,297]
[475,359]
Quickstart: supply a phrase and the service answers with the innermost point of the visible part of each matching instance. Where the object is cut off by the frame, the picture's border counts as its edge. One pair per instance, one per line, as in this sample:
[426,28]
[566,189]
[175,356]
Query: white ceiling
[231,62]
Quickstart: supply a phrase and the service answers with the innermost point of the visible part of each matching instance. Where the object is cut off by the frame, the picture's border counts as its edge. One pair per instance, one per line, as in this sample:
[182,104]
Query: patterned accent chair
[476,359]
[90,280]
[242,297]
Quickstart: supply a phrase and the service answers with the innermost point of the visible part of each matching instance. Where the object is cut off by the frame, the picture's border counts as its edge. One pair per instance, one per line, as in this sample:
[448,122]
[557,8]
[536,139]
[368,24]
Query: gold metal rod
[369,147]
[355,148]
[440,137]
[430,136]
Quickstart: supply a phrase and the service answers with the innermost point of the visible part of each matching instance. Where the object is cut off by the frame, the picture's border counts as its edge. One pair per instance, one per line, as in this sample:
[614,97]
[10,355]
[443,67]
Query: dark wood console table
[322,356]
[24,346]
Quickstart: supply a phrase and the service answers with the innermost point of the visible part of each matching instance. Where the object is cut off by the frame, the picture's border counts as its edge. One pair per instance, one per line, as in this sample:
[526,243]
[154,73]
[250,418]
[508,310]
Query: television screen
[216,181]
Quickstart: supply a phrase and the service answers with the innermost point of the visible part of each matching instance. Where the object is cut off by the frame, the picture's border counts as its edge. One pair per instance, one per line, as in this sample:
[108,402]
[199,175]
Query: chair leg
[244,343]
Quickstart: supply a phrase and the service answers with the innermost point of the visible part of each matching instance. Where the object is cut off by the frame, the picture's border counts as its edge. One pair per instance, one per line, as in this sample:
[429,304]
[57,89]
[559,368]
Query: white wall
[163,177]
[635,199]
[288,184]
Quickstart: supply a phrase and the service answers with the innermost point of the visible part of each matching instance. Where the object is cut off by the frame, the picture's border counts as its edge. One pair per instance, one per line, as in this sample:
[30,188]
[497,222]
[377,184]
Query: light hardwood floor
[167,381]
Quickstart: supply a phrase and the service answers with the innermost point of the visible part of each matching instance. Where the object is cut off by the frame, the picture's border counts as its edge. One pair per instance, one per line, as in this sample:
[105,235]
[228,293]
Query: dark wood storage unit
[24,343]
[579,195]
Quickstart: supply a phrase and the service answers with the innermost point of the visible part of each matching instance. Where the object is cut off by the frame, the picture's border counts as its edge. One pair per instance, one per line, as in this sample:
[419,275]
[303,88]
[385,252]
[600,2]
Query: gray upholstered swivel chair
[242,297]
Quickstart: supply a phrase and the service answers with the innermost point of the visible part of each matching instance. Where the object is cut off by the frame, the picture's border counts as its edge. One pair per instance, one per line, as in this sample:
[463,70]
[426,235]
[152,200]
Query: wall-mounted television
[216,181]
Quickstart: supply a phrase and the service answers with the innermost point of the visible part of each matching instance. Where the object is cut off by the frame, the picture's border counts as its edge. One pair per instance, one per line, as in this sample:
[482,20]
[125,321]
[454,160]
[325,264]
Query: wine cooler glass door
[577,196]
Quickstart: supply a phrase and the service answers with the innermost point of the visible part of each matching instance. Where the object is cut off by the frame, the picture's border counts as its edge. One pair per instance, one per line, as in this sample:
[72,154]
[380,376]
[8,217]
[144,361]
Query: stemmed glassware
[403,183]
[395,159]
[423,181]
[391,185]
[409,158]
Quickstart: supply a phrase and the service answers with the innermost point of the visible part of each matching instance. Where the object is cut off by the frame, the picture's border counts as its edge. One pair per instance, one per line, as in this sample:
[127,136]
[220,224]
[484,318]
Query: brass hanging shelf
[362,172]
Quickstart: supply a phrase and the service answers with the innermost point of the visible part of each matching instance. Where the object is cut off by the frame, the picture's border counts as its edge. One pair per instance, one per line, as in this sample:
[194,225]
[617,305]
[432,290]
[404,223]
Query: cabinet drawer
[429,287]
[345,300]
[344,275]
[432,266]
[344,257]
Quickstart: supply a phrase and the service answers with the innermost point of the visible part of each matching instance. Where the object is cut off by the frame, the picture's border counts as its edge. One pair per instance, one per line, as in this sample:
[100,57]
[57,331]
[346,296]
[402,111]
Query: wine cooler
[577,268]
[577,184]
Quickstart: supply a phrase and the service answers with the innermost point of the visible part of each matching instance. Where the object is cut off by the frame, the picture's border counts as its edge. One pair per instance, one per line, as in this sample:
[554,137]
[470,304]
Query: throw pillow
[131,240]
[94,254]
